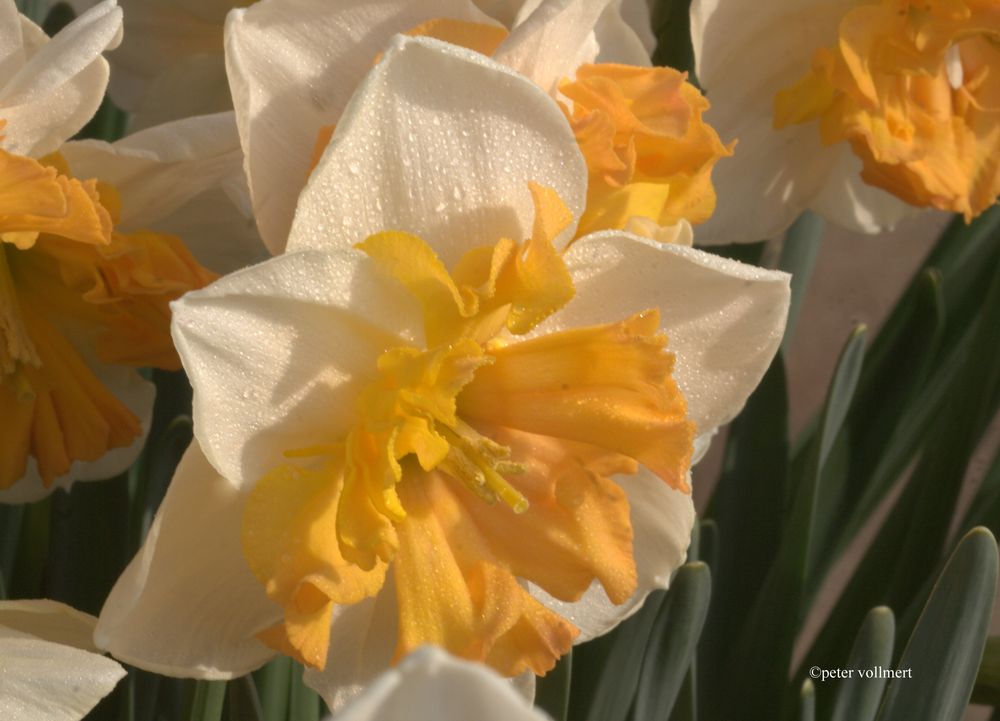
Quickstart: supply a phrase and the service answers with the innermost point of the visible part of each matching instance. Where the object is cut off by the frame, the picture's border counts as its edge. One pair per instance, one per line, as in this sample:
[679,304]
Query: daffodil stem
[273,682]
[798,257]
[209,699]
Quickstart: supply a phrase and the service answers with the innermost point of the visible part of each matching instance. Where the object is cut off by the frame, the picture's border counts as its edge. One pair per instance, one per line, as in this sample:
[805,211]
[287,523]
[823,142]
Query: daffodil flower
[82,302]
[432,420]
[51,670]
[430,685]
[293,65]
[861,111]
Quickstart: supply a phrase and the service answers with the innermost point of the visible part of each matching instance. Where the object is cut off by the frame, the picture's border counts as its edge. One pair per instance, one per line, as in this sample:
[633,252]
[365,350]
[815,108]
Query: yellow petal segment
[476,463]
[648,151]
[915,89]
[290,542]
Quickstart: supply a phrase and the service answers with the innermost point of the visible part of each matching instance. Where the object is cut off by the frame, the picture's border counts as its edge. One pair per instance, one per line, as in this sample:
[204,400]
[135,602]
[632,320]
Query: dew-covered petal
[723,320]
[187,605]
[293,65]
[440,142]
[276,353]
[46,681]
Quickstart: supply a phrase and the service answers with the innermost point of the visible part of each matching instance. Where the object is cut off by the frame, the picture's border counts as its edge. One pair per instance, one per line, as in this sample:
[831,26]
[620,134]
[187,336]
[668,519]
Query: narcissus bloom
[293,65]
[433,420]
[51,670]
[81,303]
[861,111]
[430,685]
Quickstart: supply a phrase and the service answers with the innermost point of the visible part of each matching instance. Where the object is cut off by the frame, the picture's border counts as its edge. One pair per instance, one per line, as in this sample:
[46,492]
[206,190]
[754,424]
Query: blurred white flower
[51,670]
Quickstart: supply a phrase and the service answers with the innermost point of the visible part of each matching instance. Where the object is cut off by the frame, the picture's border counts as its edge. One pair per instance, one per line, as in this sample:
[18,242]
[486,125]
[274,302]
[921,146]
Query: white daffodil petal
[61,85]
[440,142]
[621,41]
[853,204]
[293,65]
[724,320]
[430,685]
[636,14]
[131,389]
[287,340]
[157,170]
[220,235]
[11,42]
[742,60]
[187,605]
[554,40]
[362,642]
[50,621]
[662,520]
[45,681]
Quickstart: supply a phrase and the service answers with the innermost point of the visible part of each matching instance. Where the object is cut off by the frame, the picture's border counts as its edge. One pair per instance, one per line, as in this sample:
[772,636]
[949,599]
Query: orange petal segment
[35,198]
[648,151]
[915,89]
[453,592]
[480,37]
[57,412]
[608,386]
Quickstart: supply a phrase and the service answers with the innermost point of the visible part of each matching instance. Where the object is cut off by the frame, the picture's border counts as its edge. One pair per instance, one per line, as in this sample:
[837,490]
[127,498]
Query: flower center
[480,461]
[915,88]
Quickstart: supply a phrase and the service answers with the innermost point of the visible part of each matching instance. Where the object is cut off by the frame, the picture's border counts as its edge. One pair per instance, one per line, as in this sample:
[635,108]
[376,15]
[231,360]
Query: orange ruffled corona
[66,274]
[649,153]
[915,88]
[475,463]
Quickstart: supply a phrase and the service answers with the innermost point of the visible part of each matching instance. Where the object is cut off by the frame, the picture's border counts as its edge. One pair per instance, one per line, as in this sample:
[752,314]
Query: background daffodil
[375,465]
[83,295]
[860,111]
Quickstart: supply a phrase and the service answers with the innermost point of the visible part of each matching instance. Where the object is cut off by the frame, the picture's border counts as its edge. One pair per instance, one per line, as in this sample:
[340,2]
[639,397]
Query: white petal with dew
[440,142]
[724,320]
[45,681]
[293,65]
[187,605]
[277,353]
